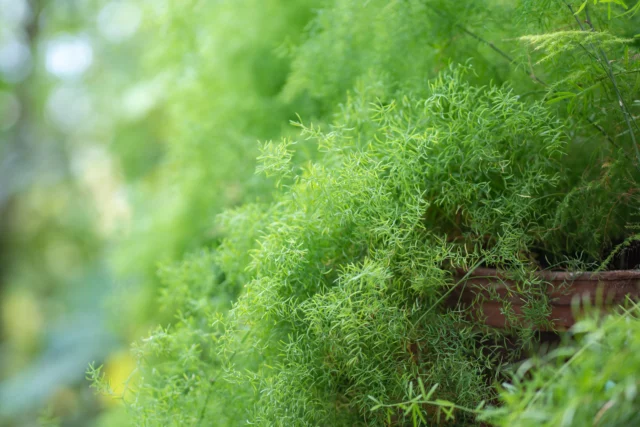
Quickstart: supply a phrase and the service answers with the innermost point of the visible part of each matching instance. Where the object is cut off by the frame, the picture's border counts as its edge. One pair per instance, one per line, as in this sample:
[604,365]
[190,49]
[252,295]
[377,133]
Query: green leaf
[561,96]
[581,8]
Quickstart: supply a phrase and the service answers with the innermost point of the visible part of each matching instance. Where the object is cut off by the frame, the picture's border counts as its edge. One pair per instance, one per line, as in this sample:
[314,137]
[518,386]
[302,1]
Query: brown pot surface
[609,287]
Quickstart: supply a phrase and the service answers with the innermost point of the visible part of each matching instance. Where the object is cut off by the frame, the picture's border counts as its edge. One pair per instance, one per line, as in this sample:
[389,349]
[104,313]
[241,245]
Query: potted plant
[595,93]
[392,202]
[489,291]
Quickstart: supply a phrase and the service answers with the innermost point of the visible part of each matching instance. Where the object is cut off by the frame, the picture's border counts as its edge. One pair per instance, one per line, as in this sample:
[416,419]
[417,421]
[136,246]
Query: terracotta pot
[610,287]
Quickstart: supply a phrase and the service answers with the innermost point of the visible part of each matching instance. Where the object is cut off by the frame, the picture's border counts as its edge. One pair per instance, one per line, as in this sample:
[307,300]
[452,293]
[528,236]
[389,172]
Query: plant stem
[606,65]
[475,36]
[476,265]
[488,43]
[203,411]
[602,131]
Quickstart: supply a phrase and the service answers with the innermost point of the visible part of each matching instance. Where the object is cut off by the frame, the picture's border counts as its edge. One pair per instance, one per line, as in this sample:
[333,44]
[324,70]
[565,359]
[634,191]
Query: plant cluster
[592,379]
[432,150]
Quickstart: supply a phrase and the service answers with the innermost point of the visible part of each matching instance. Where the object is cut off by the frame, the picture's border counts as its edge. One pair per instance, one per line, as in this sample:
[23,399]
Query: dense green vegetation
[425,137]
[590,380]
[309,180]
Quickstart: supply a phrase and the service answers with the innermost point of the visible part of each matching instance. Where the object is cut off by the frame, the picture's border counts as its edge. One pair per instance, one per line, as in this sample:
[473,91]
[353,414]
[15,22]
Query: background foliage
[399,141]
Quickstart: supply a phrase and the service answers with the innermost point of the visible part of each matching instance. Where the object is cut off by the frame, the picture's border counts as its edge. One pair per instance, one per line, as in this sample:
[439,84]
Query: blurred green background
[125,127]
[70,103]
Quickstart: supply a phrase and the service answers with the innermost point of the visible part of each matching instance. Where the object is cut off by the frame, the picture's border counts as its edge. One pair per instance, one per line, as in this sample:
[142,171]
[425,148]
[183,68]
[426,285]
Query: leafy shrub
[592,380]
[413,169]
[217,73]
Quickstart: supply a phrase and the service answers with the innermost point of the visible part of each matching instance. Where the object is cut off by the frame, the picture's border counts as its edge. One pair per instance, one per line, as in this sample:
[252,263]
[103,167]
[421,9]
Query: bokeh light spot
[68,56]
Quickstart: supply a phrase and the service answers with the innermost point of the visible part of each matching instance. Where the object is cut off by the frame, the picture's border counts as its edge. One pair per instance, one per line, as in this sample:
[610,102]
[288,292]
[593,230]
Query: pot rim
[550,275]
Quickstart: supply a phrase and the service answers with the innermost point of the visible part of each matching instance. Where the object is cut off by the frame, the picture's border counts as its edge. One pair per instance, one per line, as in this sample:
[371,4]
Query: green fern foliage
[422,150]
[592,380]
[354,254]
